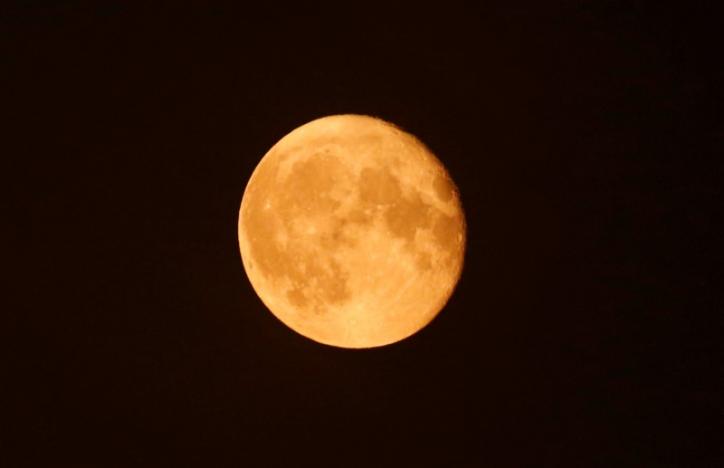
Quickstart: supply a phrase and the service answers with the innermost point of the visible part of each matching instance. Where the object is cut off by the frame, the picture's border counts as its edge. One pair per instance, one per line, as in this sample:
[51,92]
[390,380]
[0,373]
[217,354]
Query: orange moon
[352,232]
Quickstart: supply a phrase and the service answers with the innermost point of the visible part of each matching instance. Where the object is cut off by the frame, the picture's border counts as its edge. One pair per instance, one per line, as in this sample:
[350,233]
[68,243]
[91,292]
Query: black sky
[586,140]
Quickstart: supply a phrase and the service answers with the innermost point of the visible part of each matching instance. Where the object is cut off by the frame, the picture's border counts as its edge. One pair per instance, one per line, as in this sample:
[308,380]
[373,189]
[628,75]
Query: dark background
[586,140]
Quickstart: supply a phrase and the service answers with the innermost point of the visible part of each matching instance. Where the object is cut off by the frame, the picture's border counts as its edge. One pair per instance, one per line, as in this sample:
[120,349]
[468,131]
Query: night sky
[585,138]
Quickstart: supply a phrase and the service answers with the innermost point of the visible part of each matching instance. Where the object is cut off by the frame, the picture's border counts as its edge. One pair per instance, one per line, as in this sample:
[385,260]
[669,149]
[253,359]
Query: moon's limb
[351,232]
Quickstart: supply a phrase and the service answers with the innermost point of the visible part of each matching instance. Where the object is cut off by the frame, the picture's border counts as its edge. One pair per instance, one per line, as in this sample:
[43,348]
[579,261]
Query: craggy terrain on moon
[352,232]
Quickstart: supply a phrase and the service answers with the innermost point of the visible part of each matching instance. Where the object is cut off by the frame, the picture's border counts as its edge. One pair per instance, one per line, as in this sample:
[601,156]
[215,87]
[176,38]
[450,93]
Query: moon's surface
[352,232]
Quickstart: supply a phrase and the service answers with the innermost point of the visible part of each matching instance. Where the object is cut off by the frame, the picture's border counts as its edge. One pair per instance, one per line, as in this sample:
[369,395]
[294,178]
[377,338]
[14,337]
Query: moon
[352,232]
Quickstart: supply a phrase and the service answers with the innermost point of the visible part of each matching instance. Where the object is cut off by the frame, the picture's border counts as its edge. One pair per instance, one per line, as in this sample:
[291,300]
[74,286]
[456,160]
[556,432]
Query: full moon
[352,232]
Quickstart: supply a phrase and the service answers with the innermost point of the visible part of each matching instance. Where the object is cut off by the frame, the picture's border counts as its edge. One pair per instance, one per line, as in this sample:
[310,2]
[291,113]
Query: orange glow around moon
[352,232]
